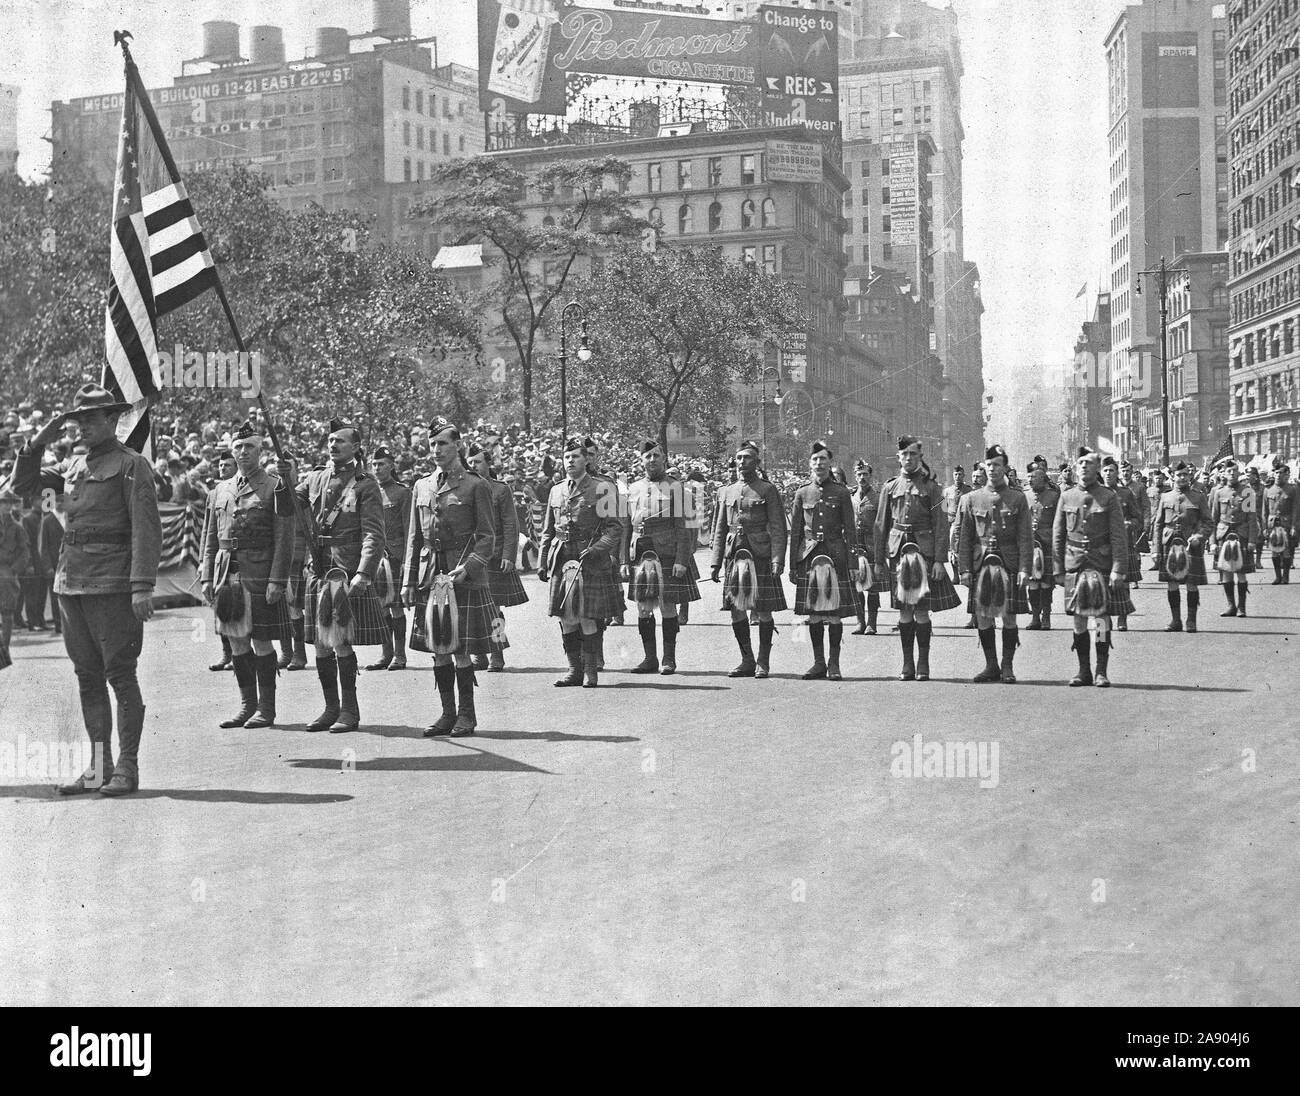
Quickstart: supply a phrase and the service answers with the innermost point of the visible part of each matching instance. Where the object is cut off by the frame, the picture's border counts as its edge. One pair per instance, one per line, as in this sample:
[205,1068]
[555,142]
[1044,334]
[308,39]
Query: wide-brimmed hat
[94,397]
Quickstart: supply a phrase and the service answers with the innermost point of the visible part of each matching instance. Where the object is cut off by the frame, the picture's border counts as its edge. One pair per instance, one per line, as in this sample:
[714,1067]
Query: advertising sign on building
[799,63]
[793,161]
[514,39]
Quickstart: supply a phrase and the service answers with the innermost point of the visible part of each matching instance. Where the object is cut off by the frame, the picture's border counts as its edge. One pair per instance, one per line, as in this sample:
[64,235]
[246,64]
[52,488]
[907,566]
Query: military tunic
[243,535]
[452,525]
[14,562]
[1089,534]
[952,496]
[506,587]
[992,522]
[1183,515]
[1042,513]
[866,504]
[822,523]
[1233,512]
[583,516]
[395,497]
[749,515]
[1133,526]
[1282,507]
[655,521]
[911,512]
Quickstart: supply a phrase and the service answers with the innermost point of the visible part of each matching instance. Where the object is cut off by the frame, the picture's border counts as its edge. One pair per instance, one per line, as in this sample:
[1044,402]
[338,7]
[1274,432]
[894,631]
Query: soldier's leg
[672,625]
[265,668]
[466,716]
[1045,594]
[1083,647]
[766,630]
[645,626]
[1277,569]
[398,625]
[835,633]
[123,639]
[1175,609]
[1193,603]
[224,662]
[873,607]
[1103,653]
[590,646]
[327,670]
[80,642]
[817,635]
[1032,596]
[385,646]
[924,631]
[1243,586]
[299,660]
[740,628]
[241,659]
[988,636]
[907,636]
[349,717]
[1010,641]
[572,640]
[1230,591]
[444,676]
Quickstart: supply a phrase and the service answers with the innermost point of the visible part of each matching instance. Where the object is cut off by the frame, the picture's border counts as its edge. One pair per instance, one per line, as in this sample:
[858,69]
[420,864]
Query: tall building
[1167,149]
[1198,355]
[8,127]
[900,110]
[336,128]
[1087,395]
[1264,274]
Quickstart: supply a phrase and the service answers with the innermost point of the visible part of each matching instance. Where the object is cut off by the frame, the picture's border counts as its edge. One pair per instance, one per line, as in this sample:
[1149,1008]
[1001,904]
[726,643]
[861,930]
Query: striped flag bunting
[159,259]
[1225,449]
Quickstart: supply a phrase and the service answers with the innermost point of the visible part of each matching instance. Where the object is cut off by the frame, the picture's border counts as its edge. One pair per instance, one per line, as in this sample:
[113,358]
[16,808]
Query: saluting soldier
[1183,518]
[995,552]
[1043,500]
[749,518]
[1282,511]
[866,503]
[247,551]
[342,611]
[1090,546]
[580,534]
[912,528]
[503,576]
[823,544]
[108,567]
[656,540]
[395,498]
[451,534]
[1232,507]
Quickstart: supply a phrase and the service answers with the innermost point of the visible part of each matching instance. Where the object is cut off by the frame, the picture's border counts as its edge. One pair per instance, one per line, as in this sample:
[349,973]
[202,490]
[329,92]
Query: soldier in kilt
[294,651]
[341,609]
[1043,500]
[749,518]
[1282,511]
[396,497]
[1232,509]
[995,552]
[1183,519]
[580,533]
[594,470]
[1090,543]
[247,550]
[866,503]
[1110,476]
[452,530]
[911,522]
[823,540]
[656,543]
[503,576]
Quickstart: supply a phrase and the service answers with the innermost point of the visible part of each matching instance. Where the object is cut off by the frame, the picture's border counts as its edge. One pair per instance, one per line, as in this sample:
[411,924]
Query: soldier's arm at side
[1118,541]
[850,521]
[370,508]
[882,525]
[414,542]
[282,540]
[1058,539]
[964,527]
[208,544]
[718,543]
[1158,529]
[485,532]
[1025,537]
[146,526]
[607,511]
[796,531]
[509,523]
[939,519]
[777,530]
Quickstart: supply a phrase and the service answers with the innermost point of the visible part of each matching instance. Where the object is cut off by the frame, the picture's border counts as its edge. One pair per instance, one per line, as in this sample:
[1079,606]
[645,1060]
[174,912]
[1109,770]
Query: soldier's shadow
[472,761]
[677,687]
[197,795]
[554,736]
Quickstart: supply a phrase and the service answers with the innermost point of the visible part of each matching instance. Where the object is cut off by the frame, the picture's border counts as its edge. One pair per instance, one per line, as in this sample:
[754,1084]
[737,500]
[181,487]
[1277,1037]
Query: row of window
[433,139]
[422,168]
[451,108]
[1266,248]
[1266,343]
[1276,392]
[750,173]
[752,215]
[1266,295]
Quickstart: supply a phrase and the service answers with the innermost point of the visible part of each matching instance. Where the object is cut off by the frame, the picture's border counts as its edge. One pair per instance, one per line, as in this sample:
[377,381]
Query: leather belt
[97,536]
[342,538]
[233,544]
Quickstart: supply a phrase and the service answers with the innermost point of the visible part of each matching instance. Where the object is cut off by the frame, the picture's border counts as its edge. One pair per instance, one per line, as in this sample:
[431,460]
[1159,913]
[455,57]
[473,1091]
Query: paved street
[685,840]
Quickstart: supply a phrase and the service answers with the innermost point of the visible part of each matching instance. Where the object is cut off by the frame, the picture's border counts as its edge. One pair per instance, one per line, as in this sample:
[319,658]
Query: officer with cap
[108,567]
[1183,518]
[1110,478]
[749,540]
[247,549]
[866,504]
[1282,511]
[995,553]
[911,528]
[1043,498]
[396,500]
[502,574]
[1232,508]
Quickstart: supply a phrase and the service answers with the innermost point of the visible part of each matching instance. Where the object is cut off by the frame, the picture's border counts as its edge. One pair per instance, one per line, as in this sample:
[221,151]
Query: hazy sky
[1033,106]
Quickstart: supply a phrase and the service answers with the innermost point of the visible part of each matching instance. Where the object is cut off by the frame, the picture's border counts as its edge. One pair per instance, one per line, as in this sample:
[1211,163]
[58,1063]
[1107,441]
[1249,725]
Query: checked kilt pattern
[369,624]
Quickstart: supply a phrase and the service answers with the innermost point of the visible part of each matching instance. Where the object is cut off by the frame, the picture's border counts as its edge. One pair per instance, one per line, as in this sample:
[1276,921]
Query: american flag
[1225,450]
[159,259]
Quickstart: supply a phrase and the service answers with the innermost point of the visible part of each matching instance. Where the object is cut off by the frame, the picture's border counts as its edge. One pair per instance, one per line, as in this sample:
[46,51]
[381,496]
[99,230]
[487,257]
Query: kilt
[297,584]
[1247,560]
[879,575]
[771,592]
[618,606]
[1195,569]
[943,594]
[1018,601]
[269,621]
[1072,578]
[10,588]
[803,594]
[677,591]
[505,587]
[369,623]
[602,596]
[1134,563]
[476,621]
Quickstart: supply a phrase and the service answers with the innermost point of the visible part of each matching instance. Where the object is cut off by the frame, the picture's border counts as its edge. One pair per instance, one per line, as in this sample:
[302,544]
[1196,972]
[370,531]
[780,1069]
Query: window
[769,213]
[406,170]
[433,104]
[866,169]
[715,171]
[884,195]
[747,214]
[333,169]
[406,134]
[406,98]
[715,216]
[1180,245]
[655,177]
[886,251]
[1219,297]
[748,169]
[749,255]
[916,116]
[419,138]
[866,226]
[769,258]
[419,101]
[898,116]
[885,224]
[884,166]
[685,220]
[683,174]
[446,144]
[460,143]
[866,196]
[419,171]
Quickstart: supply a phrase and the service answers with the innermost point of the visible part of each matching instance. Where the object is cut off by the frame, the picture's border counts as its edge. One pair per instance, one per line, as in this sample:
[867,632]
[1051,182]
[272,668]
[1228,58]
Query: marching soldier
[395,497]
[1090,546]
[108,567]
[342,610]
[823,545]
[995,554]
[580,533]
[14,555]
[592,448]
[247,550]
[911,532]
[656,544]
[866,503]
[1132,527]
[1282,511]
[1183,523]
[1137,538]
[1253,482]
[503,576]
[1232,507]
[749,539]
[448,549]
[1043,499]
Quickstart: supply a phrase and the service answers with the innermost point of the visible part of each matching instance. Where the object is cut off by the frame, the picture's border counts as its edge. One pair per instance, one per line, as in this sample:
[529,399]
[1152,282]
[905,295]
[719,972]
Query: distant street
[693,840]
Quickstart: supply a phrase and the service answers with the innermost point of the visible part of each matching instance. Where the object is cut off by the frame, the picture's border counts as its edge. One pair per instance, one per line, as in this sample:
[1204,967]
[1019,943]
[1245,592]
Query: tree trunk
[663,425]
[526,362]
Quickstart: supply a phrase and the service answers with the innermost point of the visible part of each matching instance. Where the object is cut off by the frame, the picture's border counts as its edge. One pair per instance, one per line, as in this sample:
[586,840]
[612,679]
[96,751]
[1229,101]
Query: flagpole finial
[119,39]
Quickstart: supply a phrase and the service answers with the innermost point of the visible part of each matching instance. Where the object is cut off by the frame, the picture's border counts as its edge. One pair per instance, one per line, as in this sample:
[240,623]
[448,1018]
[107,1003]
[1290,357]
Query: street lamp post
[1162,274]
[584,355]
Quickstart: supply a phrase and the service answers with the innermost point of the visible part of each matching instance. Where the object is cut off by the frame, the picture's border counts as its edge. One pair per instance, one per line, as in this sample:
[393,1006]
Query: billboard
[799,67]
[514,38]
[793,161]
